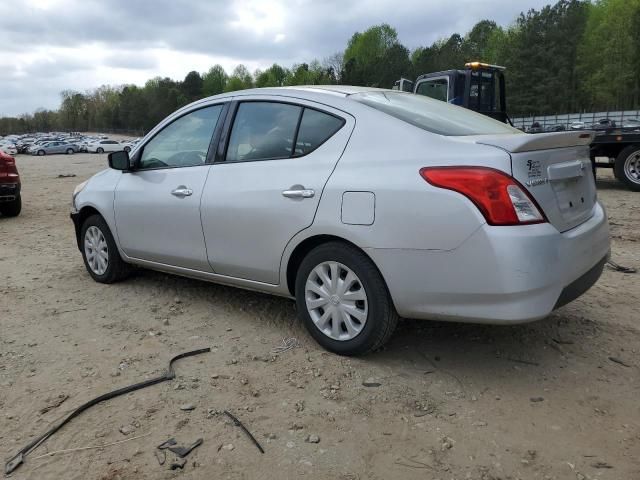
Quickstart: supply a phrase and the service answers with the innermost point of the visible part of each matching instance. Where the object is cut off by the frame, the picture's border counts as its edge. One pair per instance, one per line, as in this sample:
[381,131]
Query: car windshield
[434,116]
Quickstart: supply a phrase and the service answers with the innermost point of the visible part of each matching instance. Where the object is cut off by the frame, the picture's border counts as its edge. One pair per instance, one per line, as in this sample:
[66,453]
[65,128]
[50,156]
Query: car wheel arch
[84,213]
[308,244]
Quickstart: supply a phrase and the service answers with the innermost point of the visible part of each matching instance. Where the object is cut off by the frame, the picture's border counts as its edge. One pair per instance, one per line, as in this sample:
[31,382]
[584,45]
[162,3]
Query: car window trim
[221,154]
[138,156]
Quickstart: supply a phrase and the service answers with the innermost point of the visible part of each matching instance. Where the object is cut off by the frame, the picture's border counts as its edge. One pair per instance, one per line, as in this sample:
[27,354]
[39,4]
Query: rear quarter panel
[384,156]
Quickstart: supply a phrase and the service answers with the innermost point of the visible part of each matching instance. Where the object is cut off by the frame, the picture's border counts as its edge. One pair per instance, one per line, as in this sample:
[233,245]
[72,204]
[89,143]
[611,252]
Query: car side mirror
[119,161]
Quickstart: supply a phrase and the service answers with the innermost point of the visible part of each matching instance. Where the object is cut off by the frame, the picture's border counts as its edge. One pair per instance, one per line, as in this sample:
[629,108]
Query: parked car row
[54,142]
[600,125]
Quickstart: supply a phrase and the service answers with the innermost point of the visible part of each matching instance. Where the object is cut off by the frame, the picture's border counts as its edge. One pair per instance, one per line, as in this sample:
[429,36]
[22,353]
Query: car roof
[329,90]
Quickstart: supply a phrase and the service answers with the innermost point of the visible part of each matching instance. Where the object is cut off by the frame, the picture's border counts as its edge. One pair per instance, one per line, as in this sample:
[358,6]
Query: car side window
[315,129]
[184,142]
[263,130]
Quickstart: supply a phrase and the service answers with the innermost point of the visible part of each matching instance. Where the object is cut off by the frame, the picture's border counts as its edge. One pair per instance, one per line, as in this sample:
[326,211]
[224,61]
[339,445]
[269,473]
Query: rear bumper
[9,191]
[500,275]
[582,284]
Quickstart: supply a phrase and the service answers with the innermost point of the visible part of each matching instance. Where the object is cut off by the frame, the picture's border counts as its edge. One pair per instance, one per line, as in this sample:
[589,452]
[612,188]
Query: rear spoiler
[527,142]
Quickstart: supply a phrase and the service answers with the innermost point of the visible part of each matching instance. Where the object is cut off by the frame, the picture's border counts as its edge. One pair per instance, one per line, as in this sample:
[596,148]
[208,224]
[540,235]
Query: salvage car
[10,199]
[361,204]
[102,146]
[57,146]
[8,148]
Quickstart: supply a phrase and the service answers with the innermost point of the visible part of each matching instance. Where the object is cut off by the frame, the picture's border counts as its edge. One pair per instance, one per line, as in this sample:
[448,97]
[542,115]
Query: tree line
[575,55]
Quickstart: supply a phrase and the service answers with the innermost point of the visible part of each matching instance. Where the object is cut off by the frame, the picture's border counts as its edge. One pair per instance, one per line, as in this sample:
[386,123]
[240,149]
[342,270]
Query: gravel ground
[444,401]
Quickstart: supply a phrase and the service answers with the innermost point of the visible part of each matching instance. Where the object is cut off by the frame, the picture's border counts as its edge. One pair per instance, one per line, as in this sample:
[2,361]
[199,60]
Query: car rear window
[434,116]
[315,129]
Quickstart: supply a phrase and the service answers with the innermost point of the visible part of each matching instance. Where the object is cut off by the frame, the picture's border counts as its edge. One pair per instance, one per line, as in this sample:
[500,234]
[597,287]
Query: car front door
[157,206]
[267,181]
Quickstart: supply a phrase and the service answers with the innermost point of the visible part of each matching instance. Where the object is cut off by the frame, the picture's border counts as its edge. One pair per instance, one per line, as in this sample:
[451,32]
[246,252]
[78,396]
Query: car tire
[378,317]
[627,167]
[100,150]
[70,151]
[95,237]
[41,153]
[11,209]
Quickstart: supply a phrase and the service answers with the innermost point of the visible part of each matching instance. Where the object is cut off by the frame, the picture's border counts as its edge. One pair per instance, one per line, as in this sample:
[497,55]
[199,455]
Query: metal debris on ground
[169,443]
[170,374]
[184,451]
[238,423]
[619,268]
[287,344]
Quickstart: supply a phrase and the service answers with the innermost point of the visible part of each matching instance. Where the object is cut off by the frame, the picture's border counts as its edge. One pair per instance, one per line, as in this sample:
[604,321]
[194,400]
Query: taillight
[499,197]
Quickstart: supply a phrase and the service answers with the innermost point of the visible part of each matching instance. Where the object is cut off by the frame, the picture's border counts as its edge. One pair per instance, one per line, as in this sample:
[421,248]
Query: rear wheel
[70,151]
[41,152]
[627,167]
[11,209]
[343,301]
[100,253]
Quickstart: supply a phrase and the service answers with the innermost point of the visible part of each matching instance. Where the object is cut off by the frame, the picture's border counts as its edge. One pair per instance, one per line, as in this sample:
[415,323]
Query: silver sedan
[49,148]
[361,204]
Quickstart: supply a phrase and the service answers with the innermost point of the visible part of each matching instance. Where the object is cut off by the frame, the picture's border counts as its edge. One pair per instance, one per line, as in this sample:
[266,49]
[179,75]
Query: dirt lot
[539,401]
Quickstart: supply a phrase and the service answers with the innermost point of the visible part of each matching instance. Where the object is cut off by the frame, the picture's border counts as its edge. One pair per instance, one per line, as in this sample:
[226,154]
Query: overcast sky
[51,45]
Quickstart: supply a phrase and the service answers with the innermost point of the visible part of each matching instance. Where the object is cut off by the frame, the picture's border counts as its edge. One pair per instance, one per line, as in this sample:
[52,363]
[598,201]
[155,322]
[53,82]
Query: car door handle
[299,193]
[182,191]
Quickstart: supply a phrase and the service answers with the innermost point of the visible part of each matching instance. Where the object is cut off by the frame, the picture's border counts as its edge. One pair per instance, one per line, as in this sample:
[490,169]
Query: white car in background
[102,146]
[9,148]
[128,145]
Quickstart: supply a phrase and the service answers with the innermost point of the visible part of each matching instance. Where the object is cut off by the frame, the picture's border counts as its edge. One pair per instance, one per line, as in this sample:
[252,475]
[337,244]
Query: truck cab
[479,87]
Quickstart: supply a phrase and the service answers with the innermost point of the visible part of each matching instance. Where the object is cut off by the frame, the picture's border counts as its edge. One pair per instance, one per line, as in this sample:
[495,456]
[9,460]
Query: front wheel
[100,150]
[343,301]
[70,151]
[627,167]
[12,208]
[41,153]
[100,253]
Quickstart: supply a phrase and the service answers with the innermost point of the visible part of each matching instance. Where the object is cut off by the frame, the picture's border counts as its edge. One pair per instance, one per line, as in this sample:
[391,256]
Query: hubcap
[632,167]
[96,250]
[336,301]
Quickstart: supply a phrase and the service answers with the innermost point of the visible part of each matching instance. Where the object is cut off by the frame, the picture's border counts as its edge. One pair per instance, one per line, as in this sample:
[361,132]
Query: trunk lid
[555,168]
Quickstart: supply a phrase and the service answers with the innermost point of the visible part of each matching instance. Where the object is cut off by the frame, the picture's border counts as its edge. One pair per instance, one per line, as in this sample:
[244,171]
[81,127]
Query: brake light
[499,197]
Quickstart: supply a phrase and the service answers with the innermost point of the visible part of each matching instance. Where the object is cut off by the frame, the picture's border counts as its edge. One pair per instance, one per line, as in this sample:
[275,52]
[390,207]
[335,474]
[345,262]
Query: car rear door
[157,206]
[262,190]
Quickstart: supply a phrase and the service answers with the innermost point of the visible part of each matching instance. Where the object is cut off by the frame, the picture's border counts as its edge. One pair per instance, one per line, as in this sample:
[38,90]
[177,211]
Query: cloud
[130,60]
[83,44]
